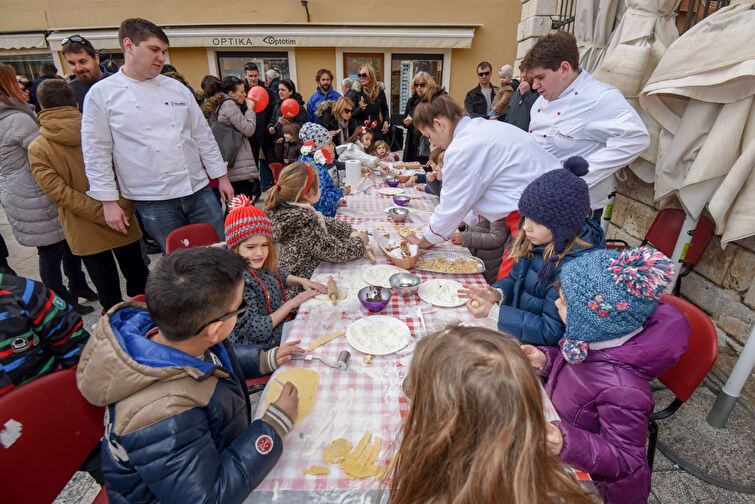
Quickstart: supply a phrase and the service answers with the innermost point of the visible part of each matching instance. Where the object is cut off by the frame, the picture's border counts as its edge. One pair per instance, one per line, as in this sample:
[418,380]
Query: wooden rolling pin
[332,290]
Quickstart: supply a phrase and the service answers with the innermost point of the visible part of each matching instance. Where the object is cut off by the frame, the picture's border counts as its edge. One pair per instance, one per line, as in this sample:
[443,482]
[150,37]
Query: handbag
[423,149]
[228,138]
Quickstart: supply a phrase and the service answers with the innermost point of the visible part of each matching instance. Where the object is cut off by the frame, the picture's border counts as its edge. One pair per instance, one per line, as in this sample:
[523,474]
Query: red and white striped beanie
[244,221]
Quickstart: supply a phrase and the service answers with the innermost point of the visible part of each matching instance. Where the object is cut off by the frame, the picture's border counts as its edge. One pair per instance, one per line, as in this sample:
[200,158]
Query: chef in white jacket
[486,166]
[577,115]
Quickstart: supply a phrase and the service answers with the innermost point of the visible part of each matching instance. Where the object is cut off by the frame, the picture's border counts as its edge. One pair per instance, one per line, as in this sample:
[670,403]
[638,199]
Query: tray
[449,255]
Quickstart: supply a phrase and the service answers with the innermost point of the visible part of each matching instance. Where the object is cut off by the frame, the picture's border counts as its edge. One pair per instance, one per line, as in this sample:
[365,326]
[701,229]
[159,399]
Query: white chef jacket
[155,136]
[593,120]
[485,169]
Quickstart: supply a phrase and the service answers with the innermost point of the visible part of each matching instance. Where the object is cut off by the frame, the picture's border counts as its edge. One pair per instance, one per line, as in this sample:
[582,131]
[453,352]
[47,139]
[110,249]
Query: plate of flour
[378,335]
[442,293]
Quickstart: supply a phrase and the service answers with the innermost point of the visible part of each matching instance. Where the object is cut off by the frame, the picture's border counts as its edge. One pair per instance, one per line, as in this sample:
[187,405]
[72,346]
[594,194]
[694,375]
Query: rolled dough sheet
[306,380]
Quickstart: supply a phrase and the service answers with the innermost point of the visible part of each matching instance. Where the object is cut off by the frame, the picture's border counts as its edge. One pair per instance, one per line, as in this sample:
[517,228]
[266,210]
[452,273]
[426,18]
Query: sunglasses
[76,39]
[348,111]
[420,84]
[483,74]
[362,75]
[235,313]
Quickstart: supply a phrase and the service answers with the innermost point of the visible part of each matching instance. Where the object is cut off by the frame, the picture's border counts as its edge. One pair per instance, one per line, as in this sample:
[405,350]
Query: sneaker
[85,292]
[83,309]
[152,247]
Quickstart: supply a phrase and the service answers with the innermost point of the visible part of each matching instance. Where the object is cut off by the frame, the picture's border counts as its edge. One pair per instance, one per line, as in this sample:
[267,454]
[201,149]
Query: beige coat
[58,167]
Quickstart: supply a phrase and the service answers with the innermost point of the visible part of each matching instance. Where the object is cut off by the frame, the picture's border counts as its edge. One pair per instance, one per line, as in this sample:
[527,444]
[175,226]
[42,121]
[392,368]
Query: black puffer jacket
[300,118]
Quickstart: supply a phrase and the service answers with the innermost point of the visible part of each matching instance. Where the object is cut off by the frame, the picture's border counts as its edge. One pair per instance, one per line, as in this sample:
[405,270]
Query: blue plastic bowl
[374,298]
[392,181]
[401,200]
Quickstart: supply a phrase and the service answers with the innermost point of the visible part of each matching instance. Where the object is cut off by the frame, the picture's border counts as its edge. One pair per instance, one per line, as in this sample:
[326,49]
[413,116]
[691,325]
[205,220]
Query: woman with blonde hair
[417,148]
[371,104]
[337,118]
[476,430]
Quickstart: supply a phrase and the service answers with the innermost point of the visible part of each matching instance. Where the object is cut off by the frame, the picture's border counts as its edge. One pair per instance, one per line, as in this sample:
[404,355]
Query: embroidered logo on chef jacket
[177,104]
[264,444]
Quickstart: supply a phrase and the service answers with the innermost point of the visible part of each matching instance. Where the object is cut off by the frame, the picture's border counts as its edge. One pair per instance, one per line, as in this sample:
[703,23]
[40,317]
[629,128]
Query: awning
[291,36]
[23,41]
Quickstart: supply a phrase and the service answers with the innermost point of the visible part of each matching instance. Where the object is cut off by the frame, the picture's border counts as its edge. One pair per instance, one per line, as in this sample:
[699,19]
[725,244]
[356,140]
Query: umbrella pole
[683,243]
[727,398]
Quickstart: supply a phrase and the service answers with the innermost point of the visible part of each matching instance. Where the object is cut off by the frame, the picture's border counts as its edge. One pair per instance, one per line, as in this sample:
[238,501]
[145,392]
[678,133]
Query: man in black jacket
[260,139]
[46,71]
[85,64]
[480,99]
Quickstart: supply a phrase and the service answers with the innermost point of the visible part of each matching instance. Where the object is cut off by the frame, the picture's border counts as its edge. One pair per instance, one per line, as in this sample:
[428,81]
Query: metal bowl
[392,181]
[405,284]
[398,214]
[401,200]
[374,298]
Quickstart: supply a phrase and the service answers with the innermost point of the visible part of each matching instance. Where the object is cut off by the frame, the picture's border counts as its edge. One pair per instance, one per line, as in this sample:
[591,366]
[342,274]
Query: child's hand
[554,439]
[536,357]
[309,284]
[346,190]
[342,202]
[334,133]
[302,297]
[285,352]
[431,177]
[288,401]
[365,237]
[479,307]
[420,187]
[456,238]
[412,180]
[488,293]
[271,130]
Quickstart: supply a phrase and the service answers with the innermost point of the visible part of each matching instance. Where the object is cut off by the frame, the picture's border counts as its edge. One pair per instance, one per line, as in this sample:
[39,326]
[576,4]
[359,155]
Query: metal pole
[727,398]
[683,243]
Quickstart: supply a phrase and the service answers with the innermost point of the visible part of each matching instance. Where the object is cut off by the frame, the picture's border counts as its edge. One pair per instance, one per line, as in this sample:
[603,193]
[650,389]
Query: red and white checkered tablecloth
[366,397]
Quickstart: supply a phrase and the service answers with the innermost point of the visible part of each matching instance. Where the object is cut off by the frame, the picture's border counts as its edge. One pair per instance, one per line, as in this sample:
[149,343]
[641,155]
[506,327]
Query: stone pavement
[728,454]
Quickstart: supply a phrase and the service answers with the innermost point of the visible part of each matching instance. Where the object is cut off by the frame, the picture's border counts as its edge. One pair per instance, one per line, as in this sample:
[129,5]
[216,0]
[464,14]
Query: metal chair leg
[652,442]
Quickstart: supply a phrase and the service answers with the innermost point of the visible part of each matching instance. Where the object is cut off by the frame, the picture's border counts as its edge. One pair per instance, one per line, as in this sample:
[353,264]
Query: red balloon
[259,96]
[289,108]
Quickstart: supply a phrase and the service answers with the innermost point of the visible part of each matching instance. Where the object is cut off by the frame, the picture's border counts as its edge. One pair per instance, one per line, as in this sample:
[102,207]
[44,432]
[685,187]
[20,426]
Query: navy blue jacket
[528,311]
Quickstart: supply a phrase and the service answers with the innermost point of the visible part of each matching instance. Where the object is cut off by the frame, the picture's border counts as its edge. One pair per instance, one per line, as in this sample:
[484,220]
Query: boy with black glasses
[178,423]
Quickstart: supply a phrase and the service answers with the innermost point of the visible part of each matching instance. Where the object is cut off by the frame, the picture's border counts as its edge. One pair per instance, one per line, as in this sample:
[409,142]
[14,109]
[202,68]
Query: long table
[366,397]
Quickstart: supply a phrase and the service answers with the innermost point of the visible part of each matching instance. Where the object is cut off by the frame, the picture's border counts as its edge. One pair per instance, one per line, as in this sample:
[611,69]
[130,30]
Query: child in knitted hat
[618,338]
[556,229]
[318,150]
[249,233]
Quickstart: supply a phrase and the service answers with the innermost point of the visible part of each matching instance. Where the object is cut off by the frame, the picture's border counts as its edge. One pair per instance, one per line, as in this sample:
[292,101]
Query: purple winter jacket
[605,404]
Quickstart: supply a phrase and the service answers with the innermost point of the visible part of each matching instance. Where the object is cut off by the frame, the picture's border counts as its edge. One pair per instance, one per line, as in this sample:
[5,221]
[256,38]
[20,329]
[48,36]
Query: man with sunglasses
[84,61]
[479,100]
[178,422]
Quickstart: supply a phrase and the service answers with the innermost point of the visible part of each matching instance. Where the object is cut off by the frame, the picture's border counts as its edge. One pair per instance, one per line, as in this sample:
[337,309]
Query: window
[27,64]
[232,63]
[352,62]
[403,69]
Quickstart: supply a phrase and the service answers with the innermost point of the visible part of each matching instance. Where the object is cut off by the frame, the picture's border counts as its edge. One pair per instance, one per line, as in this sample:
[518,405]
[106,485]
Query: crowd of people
[522,171]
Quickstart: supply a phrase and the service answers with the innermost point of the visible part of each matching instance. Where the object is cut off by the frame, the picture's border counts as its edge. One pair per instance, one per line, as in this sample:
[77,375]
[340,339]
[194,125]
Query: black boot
[85,292]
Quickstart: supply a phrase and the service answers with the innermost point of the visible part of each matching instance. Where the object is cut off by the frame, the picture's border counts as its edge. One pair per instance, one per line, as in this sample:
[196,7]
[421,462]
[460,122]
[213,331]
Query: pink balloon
[289,108]
[259,96]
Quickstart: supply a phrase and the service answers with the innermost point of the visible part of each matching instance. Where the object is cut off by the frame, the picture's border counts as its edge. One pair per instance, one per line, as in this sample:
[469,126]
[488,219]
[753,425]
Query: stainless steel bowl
[398,214]
[405,284]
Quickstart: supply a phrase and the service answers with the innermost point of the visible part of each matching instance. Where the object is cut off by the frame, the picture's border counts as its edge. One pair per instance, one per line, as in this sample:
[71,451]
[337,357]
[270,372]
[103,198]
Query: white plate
[391,191]
[441,292]
[378,335]
[404,208]
[380,274]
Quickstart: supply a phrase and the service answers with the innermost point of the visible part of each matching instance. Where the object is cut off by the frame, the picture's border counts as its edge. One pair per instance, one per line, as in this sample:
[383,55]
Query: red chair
[59,429]
[193,235]
[685,376]
[276,168]
[664,233]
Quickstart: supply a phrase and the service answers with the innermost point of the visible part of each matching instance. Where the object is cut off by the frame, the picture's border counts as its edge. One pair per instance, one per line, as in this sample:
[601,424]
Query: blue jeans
[266,175]
[162,217]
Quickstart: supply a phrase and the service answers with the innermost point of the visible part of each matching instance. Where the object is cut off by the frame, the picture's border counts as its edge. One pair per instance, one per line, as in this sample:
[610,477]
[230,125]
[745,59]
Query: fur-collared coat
[376,110]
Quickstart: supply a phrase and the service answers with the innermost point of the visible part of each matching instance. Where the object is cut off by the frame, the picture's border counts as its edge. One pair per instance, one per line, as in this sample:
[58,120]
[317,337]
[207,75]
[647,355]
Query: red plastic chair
[59,430]
[193,235]
[685,376]
[664,233]
[276,168]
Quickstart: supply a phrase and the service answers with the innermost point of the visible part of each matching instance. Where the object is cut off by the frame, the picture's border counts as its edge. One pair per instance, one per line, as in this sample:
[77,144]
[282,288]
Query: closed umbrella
[593,23]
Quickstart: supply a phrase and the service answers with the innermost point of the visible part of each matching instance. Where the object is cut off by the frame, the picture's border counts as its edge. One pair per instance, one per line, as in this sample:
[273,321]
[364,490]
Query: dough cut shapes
[316,471]
[337,451]
[362,460]
[325,340]
[306,380]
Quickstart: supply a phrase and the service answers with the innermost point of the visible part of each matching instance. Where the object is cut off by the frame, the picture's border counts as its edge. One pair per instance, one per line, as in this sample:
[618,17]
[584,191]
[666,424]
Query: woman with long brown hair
[476,430]
[371,104]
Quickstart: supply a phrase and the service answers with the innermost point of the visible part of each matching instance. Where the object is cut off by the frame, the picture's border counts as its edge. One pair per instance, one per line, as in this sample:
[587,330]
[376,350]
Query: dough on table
[306,381]
[337,451]
[362,461]
[316,471]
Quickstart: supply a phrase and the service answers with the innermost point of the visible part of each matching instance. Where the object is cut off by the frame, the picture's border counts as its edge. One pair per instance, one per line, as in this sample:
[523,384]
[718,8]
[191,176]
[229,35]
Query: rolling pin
[332,290]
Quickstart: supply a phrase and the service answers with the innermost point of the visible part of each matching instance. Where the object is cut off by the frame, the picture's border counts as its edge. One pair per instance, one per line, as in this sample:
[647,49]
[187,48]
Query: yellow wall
[191,62]
[308,61]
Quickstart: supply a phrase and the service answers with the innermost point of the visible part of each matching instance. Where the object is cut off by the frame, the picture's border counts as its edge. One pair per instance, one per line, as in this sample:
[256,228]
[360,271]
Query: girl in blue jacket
[556,229]
[318,151]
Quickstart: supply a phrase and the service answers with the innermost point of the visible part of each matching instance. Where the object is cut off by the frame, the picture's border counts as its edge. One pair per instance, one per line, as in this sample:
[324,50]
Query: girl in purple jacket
[618,338]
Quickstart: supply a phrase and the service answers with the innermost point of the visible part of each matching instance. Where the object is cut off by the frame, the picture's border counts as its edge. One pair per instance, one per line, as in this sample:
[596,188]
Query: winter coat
[486,240]
[413,136]
[305,238]
[33,217]
[58,168]
[255,325]
[376,110]
[475,104]
[229,113]
[300,119]
[330,194]
[528,309]
[81,88]
[177,427]
[324,113]
[502,98]
[288,152]
[317,98]
[519,109]
[261,136]
[605,404]
[40,329]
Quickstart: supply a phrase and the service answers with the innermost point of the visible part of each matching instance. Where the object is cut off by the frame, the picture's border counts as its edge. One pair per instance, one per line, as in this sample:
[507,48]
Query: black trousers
[104,273]
[50,259]
[250,188]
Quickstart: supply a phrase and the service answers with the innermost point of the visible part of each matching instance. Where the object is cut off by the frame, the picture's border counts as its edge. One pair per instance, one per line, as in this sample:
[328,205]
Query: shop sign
[253,41]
